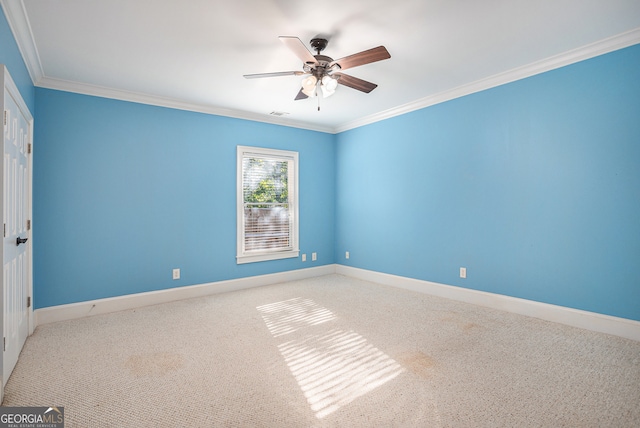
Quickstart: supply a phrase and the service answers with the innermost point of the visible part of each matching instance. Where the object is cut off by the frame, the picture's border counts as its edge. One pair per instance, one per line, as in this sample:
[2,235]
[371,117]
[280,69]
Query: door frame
[10,86]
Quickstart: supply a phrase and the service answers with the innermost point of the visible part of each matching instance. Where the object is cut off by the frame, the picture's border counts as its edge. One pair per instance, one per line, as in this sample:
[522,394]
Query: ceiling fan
[324,73]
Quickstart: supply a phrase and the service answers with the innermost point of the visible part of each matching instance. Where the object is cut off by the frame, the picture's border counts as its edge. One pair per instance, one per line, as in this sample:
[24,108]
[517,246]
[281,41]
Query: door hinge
[4,229]
[28,224]
[29,148]
[5,343]
[29,302]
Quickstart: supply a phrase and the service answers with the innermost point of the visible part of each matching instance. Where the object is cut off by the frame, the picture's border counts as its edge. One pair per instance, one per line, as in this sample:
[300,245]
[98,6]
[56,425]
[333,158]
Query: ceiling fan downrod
[318,44]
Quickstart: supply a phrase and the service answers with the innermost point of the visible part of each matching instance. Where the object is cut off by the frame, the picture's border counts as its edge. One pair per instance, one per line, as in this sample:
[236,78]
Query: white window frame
[293,250]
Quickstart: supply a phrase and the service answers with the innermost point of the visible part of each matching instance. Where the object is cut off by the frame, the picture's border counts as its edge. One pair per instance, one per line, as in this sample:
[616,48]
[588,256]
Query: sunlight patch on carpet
[291,315]
[333,367]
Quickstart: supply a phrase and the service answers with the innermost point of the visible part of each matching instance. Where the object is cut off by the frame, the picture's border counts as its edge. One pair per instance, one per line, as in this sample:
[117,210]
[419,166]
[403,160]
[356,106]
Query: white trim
[154,100]
[601,47]
[19,24]
[291,157]
[592,321]
[267,256]
[15,92]
[622,327]
[21,29]
[132,301]
[9,84]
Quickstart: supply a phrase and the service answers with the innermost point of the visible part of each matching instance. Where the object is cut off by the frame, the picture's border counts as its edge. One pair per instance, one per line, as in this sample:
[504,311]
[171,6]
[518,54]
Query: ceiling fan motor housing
[321,67]
[318,44]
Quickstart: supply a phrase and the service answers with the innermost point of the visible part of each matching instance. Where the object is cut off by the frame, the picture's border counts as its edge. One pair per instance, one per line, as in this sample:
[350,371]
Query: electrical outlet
[463,272]
[176,274]
[314,257]
[304,257]
[346,255]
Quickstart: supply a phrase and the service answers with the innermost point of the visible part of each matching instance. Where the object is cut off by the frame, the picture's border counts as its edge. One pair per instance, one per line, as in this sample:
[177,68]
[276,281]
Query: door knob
[20,240]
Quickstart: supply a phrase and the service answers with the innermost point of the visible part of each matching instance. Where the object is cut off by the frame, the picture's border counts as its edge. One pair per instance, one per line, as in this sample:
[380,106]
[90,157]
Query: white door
[16,207]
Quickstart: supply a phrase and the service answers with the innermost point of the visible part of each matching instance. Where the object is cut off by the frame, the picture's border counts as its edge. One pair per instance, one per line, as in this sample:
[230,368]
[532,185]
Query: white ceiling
[192,54]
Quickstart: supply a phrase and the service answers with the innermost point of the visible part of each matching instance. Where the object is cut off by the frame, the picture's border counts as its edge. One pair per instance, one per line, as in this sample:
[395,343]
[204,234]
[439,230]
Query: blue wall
[533,186]
[125,192]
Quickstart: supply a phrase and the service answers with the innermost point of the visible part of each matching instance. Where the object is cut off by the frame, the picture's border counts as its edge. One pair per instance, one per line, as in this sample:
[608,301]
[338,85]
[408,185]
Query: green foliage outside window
[266,181]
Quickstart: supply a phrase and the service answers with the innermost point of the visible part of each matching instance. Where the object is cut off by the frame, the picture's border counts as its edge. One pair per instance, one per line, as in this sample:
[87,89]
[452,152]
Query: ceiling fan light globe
[329,83]
[326,92]
[309,83]
[310,92]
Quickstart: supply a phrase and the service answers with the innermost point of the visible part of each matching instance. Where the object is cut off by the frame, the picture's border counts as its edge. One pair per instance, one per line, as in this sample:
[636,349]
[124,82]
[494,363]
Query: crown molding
[154,100]
[19,24]
[21,29]
[592,50]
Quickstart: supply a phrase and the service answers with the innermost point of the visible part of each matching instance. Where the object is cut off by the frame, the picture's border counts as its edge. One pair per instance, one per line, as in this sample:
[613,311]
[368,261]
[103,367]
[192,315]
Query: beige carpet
[329,351]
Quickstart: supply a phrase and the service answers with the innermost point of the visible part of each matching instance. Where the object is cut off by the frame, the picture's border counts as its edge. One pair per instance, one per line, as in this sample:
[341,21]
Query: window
[267,204]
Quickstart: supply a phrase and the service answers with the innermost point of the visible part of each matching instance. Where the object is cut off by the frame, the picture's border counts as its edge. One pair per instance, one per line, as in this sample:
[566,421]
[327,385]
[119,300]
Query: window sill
[263,257]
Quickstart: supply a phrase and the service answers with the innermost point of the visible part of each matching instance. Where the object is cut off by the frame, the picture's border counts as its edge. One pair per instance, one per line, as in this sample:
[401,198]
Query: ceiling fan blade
[276,74]
[362,58]
[299,49]
[354,82]
[301,96]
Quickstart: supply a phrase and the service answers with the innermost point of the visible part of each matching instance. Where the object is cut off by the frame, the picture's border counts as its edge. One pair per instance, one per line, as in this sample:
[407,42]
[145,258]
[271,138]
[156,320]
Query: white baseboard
[622,327]
[132,301]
